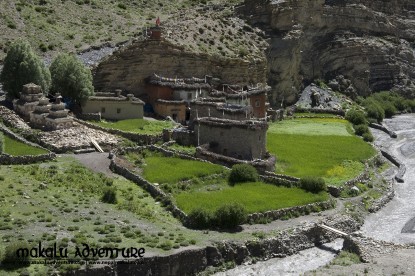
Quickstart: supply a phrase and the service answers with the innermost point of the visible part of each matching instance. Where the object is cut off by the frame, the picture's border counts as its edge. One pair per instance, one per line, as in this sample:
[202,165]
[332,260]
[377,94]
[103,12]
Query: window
[102,109]
[257,103]
[118,110]
[189,96]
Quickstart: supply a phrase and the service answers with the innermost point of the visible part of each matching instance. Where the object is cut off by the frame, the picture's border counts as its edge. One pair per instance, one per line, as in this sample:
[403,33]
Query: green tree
[22,66]
[71,78]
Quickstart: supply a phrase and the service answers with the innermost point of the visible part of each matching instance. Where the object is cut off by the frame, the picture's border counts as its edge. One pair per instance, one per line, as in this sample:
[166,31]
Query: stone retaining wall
[382,201]
[290,212]
[260,165]
[395,161]
[392,134]
[193,261]
[89,116]
[6,159]
[135,137]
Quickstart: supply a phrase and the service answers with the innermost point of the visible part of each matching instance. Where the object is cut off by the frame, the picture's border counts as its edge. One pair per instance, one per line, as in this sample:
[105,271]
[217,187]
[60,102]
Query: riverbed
[396,221]
[299,263]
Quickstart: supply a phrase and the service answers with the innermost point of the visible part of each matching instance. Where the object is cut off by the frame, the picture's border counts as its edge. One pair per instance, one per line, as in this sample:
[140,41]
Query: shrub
[110,195]
[356,117]
[313,184]
[243,173]
[199,219]
[360,129]
[230,215]
[374,110]
[368,137]
[12,259]
[390,109]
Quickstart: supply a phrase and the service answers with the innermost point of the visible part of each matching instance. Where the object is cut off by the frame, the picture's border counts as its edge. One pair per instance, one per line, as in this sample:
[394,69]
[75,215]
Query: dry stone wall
[135,137]
[190,262]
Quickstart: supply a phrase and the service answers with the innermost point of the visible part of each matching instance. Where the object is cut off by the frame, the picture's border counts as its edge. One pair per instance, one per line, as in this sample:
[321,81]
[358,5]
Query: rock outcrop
[369,42]
[128,68]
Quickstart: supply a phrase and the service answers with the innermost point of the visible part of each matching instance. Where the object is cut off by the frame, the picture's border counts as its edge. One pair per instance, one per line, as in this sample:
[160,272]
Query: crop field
[172,169]
[317,147]
[255,196]
[140,126]
[14,147]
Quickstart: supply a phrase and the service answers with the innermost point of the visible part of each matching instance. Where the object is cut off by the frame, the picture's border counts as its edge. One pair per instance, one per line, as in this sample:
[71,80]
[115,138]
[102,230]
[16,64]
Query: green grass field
[140,126]
[255,196]
[317,147]
[172,169]
[14,147]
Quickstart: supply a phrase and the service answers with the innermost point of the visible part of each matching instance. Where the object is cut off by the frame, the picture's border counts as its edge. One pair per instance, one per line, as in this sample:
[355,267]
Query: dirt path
[96,161]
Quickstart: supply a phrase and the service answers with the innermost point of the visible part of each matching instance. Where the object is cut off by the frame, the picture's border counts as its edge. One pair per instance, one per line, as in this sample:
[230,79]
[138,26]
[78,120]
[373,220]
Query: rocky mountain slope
[363,45]
[369,42]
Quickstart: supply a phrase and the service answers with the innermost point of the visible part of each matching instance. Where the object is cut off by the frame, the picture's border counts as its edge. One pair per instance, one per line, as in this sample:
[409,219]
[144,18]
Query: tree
[22,66]
[71,78]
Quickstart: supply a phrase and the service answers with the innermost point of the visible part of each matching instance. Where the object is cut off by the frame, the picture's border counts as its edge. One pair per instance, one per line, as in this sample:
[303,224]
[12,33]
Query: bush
[230,215]
[200,219]
[374,110]
[11,259]
[368,137]
[356,117]
[390,109]
[360,129]
[110,195]
[243,173]
[313,184]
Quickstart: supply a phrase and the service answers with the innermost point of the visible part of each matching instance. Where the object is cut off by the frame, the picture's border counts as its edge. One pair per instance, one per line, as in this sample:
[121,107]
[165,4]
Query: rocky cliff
[128,68]
[370,42]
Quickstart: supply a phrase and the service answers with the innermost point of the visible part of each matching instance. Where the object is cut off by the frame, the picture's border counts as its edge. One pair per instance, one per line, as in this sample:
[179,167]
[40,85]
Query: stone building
[29,99]
[238,139]
[177,110]
[58,116]
[218,109]
[256,97]
[171,96]
[114,106]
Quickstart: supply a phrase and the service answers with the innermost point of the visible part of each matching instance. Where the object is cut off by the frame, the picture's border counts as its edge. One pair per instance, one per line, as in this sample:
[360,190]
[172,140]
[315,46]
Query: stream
[396,221]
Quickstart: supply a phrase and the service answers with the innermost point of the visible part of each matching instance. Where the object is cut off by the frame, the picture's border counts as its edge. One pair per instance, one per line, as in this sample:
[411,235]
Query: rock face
[369,42]
[128,68]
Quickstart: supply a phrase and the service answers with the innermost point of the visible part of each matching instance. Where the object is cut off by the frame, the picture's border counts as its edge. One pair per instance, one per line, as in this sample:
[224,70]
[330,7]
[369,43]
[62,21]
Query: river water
[396,221]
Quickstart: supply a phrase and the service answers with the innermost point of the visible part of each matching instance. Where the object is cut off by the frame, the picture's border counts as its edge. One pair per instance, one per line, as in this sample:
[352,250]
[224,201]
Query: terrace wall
[192,261]
[135,137]
[6,159]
